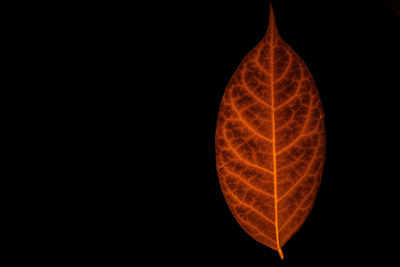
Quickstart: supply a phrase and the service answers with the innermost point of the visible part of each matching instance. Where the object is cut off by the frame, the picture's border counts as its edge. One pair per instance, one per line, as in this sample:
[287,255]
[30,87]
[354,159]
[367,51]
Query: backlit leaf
[270,141]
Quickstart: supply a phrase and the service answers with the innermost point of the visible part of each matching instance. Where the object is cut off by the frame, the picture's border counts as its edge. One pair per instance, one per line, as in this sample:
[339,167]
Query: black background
[96,79]
[351,49]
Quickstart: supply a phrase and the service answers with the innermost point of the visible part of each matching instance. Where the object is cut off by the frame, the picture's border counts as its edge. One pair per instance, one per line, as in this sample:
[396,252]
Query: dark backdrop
[351,49]
[84,118]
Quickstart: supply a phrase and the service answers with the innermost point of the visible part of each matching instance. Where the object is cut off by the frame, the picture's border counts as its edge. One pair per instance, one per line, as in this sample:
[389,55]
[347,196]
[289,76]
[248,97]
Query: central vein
[273,143]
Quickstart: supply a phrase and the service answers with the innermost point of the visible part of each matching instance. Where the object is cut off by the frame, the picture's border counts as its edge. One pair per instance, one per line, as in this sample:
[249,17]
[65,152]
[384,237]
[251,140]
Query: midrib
[273,138]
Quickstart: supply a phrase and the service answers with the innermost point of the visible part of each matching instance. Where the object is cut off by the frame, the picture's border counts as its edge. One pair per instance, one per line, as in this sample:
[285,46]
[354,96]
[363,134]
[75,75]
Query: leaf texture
[270,141]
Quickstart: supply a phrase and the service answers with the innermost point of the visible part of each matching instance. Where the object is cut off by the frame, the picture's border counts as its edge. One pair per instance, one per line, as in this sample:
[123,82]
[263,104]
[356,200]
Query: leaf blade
[270,129]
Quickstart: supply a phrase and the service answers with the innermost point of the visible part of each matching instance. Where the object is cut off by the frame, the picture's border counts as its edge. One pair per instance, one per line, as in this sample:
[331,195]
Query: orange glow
[270,141]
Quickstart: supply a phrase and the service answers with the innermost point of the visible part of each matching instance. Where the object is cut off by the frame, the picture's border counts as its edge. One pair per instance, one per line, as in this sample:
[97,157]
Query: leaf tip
[271,30]
[271,15]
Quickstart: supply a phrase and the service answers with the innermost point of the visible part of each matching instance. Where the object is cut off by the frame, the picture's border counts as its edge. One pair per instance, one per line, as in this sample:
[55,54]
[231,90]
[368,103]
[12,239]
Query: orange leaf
[270,141]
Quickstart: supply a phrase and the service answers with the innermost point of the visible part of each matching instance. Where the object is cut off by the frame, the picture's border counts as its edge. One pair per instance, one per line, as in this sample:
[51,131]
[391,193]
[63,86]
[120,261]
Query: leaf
[270,141]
